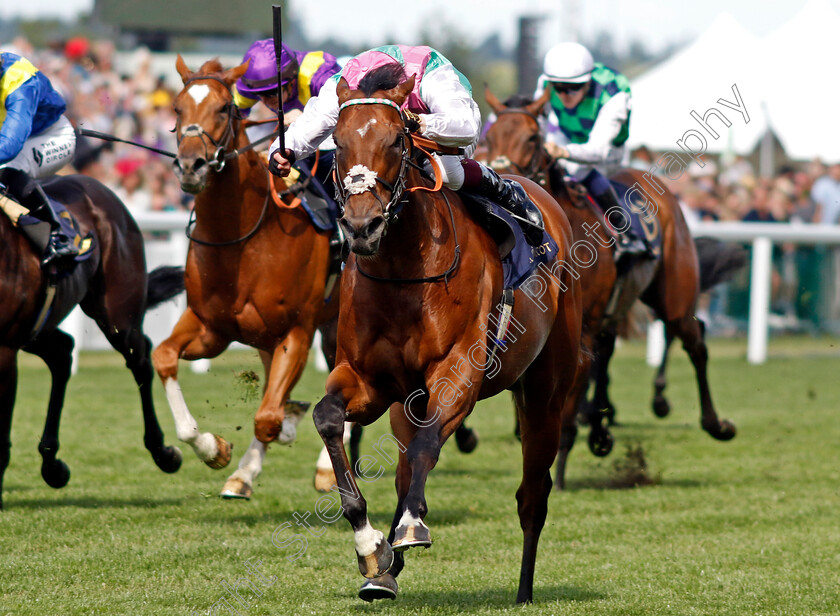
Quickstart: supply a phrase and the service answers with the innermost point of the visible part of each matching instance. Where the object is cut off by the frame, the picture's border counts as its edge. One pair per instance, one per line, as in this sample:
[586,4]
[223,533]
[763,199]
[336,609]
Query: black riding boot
[511,196]
[59,247]
[627,243]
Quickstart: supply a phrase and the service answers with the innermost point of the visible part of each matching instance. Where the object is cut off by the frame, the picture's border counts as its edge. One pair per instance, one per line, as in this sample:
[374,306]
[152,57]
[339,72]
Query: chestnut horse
[111,287]
[255,273]
[412,331]
[669,284]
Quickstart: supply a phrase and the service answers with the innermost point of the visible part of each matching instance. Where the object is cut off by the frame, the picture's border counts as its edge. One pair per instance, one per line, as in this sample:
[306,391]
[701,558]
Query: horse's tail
[719,261]
[164,283]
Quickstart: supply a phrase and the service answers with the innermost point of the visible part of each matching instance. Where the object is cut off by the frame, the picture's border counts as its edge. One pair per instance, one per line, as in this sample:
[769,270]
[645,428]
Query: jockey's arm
[315,124]
[607,126]
[454,118]
[21,105]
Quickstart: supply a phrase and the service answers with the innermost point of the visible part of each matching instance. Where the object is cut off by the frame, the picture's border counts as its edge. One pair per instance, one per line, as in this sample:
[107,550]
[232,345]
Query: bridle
[391,209]
[221,155]
[217,160]
[535,169]
[389,212]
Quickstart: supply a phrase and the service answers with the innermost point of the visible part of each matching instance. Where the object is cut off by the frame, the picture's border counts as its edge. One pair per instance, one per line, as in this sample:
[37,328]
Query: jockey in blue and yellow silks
[36,139]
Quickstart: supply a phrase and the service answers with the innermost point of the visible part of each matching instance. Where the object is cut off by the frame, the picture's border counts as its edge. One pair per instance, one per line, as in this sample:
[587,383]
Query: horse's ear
[495,104]
[342,90]
[233,74]
[536,107]
[182,69]
[401,92]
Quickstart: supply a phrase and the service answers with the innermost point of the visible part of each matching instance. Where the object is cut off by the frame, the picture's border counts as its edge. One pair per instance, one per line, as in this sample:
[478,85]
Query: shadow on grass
[607,483]
[92,503]
[466,601]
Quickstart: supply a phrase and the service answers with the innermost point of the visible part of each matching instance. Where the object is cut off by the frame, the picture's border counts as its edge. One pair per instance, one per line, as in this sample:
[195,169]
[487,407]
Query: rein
[409,141]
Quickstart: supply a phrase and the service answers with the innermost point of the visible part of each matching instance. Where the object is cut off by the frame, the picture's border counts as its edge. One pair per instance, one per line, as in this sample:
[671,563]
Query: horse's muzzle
[191,173]
[364,235]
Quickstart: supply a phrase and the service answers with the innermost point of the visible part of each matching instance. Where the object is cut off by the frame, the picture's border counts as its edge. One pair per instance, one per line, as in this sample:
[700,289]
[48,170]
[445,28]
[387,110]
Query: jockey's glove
[412,121]
[272,163]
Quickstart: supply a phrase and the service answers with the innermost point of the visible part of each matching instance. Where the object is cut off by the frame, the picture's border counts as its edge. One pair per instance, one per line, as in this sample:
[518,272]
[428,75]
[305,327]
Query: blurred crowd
[805,289]
[138,107]
[135,107]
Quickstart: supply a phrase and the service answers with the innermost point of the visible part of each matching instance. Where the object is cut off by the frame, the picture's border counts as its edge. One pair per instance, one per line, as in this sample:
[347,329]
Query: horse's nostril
[375,226]
[198,164]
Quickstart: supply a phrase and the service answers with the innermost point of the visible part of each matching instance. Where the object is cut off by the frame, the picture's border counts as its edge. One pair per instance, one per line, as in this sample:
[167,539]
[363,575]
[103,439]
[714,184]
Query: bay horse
[412,331]
[111,286]
[669,283]
[255,272]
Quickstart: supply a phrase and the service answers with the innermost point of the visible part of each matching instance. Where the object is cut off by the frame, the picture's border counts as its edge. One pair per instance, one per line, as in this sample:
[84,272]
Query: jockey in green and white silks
[443,109]
[587,123]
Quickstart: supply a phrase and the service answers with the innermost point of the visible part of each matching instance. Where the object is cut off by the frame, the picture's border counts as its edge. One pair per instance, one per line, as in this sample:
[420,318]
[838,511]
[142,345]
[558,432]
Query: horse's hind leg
[692,332]
[8,387]
[539,412]
[190,340]
[56,349]
[661,406]
[600,440]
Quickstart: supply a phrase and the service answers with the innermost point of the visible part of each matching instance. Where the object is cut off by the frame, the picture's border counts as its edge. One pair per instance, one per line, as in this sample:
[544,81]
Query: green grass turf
[744,527]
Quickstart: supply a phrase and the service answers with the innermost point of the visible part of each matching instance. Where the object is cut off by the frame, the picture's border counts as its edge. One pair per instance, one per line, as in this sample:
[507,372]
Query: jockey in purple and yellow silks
[36,140]
[302,73]
[441,108]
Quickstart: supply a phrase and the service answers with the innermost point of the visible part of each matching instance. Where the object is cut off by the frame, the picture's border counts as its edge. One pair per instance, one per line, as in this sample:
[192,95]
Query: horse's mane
[518,101]
[382,78]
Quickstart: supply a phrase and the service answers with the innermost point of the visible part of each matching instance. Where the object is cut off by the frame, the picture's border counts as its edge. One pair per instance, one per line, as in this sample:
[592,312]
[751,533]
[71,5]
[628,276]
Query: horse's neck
[421,242]
[224,200]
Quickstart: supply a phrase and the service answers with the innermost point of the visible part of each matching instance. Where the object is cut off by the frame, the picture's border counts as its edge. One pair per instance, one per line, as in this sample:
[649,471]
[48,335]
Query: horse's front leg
[283,368]
[346,393]
[190,339]
[434,422]
[8,388]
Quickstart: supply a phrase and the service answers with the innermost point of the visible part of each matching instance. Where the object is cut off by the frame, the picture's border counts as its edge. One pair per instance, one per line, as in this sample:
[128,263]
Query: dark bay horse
[256,273]
[111,287]
[669,284]
[416,296]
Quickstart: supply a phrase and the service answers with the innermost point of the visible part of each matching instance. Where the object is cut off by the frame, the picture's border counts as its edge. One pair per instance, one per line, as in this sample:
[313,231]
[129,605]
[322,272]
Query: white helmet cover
[568,63]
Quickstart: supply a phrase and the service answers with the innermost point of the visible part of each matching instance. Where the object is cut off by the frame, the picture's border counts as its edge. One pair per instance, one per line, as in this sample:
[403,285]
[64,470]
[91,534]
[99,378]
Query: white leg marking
[186,426]
[409,520]
[250,466]
[367,539]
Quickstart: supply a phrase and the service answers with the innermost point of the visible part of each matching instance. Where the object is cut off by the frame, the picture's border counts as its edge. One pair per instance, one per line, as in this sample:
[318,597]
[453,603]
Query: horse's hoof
[168,459]
[411,536]
[383,587]
[466,442]
[600,442]
[324,479]
[56,474]
[377,563]
[222,458]
[661,406]
[724,431]
[236,488]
